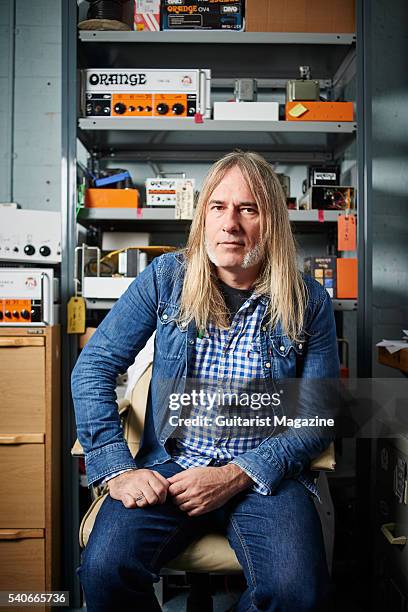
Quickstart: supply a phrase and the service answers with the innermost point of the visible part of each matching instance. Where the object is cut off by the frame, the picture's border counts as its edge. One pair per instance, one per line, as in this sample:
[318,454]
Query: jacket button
[300,346]
[264,328]
[165,317]
[191,341]
[282,348]
[267,364]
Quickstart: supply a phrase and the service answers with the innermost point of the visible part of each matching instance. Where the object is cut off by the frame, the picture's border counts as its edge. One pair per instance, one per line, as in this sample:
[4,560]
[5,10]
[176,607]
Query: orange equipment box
[319,111]
[112,198]
[347,278]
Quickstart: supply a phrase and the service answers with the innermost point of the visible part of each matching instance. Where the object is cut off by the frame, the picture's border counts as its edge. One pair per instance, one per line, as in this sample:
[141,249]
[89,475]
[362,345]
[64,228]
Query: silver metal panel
[39,13]
[38,187]
[38,50]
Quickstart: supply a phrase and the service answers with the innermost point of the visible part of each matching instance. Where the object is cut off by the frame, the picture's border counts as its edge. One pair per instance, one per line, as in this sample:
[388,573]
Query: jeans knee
[106,570]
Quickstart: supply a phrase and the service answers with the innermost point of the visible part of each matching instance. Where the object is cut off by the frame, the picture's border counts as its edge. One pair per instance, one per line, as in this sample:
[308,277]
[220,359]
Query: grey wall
[30,90]
[390,172]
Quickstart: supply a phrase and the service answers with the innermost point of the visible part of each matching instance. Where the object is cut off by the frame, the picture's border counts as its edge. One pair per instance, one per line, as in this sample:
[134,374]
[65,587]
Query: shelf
[103,304]
[89,215]
[115,136]
[285,52]
[344,304]
[214,37]
[211,125]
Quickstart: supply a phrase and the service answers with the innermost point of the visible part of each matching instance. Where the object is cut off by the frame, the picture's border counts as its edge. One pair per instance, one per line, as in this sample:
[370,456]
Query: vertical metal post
[364,447]
[11,85]
[70,488]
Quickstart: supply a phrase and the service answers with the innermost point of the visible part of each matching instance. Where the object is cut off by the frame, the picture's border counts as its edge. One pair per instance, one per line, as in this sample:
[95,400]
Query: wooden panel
[22,565]
[22,486]
[22,388]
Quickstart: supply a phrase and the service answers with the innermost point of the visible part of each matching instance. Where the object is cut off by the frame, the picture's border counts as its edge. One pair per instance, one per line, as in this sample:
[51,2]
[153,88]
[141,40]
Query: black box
[202,15]
[323,269]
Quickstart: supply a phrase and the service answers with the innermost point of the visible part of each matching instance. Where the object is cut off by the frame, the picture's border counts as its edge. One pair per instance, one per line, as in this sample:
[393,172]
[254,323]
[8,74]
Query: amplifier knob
[1,315]
[148,109]
[25,314]
[16,314]
[45,251]
[162,108]
[131,109]
[119,108]
[140,109]
[178,109]
[7,314]
[29,249]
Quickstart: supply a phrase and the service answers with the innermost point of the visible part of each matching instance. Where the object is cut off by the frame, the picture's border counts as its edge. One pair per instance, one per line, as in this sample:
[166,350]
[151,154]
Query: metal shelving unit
[335,59]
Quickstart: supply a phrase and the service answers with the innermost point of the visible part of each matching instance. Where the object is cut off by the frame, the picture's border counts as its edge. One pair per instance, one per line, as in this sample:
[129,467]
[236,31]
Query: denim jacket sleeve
[288,453]
[110,351]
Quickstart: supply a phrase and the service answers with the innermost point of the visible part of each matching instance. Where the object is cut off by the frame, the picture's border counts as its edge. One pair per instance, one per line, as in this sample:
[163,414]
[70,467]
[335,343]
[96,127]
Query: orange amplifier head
[145,93]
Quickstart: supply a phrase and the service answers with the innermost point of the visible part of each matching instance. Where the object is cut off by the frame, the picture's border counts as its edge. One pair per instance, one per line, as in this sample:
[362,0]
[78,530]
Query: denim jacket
[151,303]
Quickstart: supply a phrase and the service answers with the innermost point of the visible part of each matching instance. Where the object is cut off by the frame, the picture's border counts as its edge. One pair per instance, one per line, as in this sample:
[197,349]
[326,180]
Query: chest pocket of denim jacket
[287,356]
[170,336]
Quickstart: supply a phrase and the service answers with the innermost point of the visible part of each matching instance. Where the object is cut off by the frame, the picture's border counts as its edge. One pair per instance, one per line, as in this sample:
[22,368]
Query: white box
[246,111]
[106,288]
[113,241]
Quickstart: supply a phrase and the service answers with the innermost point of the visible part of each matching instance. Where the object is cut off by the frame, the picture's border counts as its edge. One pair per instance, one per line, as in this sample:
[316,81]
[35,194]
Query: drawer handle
[20,534]
[387,530]
[28,438]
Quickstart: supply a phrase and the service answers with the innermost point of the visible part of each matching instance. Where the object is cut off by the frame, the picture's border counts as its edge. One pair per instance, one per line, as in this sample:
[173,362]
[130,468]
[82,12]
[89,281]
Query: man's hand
[139,488]
[202,489]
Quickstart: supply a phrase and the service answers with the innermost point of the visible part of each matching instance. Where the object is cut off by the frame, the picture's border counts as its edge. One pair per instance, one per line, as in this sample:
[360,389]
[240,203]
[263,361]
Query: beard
[252,258]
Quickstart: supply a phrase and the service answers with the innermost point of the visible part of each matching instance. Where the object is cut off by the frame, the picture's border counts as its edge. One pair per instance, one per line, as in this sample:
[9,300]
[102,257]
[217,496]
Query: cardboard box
[111,198]
[347,278]
[323,269]
[319,111]
[202,15]
[300,16]
[147,15]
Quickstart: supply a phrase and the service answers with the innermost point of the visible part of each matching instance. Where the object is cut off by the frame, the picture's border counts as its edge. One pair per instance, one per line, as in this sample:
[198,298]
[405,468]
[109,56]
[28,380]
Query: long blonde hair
[279,279]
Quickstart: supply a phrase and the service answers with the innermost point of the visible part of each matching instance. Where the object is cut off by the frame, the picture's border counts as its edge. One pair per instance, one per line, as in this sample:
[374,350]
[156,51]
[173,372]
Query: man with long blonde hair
[233,317]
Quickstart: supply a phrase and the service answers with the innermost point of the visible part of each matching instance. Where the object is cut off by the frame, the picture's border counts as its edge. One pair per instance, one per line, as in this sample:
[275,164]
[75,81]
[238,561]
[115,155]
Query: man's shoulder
[316,293]
[174,260]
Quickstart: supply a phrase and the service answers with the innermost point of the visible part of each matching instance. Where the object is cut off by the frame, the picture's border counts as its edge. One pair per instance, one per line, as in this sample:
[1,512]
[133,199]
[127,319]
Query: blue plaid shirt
[222,356]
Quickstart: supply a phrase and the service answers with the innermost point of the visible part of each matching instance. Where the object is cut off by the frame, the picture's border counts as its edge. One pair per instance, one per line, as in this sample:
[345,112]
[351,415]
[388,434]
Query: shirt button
[300,346]
[267,364]
[282,348]
[165,317]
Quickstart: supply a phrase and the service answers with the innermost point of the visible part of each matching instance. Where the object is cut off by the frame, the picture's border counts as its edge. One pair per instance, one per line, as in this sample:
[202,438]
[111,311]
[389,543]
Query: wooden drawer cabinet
[22,477]
[24,553]
[30,459]
[22,378]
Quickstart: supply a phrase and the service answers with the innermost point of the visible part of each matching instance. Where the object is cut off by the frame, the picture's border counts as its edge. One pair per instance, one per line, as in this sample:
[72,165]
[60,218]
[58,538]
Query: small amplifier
[28,296]
[146,93]
[304,88]
[328,198]
[166,192]
[30,236]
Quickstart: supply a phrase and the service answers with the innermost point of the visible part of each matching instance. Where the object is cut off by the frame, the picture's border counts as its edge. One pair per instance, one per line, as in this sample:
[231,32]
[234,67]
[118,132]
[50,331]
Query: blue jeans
[277,539]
